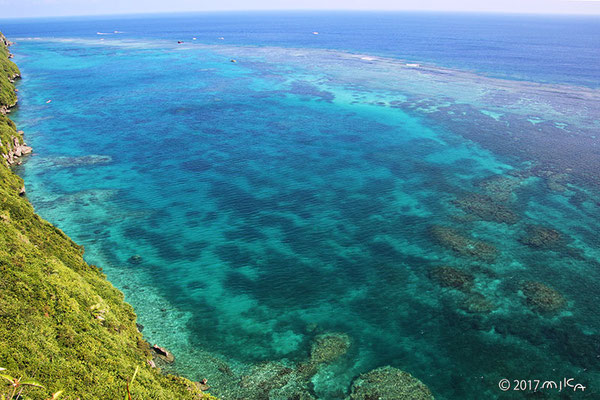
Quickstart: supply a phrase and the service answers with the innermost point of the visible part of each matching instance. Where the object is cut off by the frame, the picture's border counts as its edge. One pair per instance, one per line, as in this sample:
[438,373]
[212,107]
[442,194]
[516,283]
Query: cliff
[61,322]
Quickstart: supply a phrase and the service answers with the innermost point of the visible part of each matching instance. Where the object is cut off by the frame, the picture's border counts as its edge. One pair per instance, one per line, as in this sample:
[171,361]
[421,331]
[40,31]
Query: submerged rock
[452,278]
[163,354]
[540,237]
[202,385]
[485,208]
[135,259]
[454,240]
[388,383]
[542,298]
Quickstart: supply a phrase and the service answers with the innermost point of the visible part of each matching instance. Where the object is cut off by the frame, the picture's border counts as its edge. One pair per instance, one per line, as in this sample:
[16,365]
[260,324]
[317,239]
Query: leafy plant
[56,395]
[18,385]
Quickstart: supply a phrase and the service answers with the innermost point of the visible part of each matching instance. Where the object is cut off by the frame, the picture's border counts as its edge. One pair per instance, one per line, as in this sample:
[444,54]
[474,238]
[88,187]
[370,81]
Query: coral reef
[540,237]
[454,240]
[556,181]
[477,303]
[273,380]
[485,208]
[452,278]
[69,162]
[388,383]
[328,347]
[500,187]
[542,298]
[561,155]
[277,380]
[265,377]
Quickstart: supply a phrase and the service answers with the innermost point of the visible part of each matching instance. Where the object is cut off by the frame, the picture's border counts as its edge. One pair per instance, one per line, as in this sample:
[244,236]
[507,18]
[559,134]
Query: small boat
[49,101]
[233,60]
[221,38]
[315,33]
[179,41]
[193,38]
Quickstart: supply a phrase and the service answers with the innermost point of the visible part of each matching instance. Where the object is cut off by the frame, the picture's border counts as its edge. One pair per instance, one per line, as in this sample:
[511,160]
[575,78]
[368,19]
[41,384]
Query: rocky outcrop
[4,41]
[8,73]
[388,383]
[5,108]
[16,151]
[163,354]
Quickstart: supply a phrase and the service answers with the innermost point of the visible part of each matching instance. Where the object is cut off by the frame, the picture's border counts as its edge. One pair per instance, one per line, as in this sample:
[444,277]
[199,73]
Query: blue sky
[36,8]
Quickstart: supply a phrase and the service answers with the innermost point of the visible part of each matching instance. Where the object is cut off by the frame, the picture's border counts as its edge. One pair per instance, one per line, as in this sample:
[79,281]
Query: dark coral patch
[452,278]
[485,208]
[456,241]
[540,237]
[542,298]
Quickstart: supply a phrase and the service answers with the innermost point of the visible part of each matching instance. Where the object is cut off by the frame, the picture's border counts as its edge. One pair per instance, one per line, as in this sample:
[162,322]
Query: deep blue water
[247,208]
[539,48]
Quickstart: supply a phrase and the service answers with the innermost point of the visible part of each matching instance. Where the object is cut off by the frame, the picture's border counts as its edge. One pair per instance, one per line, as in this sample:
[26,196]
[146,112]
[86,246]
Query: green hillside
[61,322]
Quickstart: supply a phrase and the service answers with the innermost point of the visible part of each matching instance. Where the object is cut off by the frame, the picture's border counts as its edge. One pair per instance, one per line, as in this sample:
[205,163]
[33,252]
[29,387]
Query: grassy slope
[8,71]
[61,322]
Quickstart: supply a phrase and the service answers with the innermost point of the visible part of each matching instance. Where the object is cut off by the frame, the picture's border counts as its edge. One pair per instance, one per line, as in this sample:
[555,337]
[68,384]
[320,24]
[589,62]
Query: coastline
[13,146]
[273,376]
[138,217]
[58,312]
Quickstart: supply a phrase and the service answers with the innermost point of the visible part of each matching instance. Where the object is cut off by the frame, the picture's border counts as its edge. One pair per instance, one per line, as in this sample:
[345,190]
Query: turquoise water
[244,208]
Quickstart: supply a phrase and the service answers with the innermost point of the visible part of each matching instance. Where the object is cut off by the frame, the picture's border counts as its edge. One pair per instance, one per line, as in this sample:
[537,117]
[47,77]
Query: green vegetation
[18,387]
[8,71]
[61,322]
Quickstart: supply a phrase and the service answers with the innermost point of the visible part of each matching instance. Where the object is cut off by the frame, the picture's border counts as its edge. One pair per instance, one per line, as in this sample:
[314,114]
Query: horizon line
[157,13]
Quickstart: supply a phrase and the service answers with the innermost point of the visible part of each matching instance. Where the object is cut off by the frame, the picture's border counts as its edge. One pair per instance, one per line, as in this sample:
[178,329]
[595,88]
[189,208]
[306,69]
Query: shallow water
[244,208]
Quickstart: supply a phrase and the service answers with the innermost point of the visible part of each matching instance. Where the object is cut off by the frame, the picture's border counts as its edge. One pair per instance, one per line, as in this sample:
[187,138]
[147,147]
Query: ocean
[421,187]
